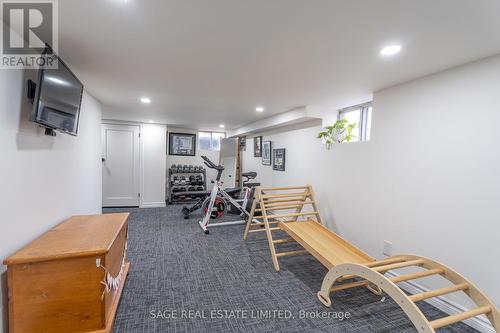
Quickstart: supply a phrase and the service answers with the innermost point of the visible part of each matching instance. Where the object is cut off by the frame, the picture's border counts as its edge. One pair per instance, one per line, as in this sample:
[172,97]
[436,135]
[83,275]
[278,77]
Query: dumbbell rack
[179,180]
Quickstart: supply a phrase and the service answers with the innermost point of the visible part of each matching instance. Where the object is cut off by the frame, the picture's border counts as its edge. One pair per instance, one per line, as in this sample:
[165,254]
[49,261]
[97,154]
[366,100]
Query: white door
[120,165]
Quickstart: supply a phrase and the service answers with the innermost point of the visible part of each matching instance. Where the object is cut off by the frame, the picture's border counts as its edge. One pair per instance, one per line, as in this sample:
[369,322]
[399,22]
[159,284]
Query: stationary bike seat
[249,175]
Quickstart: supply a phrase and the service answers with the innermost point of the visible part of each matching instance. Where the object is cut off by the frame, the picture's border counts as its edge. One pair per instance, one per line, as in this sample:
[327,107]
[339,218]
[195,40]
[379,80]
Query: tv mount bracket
[31,90]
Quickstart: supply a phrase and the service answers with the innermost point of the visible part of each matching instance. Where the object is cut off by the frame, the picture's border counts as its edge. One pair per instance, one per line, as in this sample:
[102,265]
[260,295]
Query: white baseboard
[445,305]
[153,204]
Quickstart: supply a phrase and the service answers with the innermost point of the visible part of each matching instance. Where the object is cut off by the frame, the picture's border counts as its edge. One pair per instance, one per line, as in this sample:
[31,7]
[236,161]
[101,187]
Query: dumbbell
[191,189]
[199,188]
[173,168]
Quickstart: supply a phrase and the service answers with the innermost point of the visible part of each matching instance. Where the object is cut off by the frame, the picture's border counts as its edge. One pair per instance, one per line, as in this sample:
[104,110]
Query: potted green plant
[339,132]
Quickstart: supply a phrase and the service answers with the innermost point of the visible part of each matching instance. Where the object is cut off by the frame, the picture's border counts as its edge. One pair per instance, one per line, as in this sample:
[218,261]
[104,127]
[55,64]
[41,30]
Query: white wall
[44,180]
[427,181]
[194,160]
[153,138]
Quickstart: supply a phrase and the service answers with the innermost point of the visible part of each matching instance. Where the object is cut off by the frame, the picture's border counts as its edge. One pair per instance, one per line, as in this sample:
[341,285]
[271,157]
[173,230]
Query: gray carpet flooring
[182,280]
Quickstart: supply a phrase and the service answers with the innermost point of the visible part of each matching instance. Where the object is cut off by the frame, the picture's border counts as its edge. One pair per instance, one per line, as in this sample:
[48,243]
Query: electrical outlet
[387,248]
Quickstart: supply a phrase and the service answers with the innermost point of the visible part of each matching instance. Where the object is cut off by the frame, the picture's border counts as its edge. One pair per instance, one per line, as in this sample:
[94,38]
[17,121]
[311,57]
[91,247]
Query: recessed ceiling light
[390,50]
[222,126]
[151,121]
[145,100]
[259,109]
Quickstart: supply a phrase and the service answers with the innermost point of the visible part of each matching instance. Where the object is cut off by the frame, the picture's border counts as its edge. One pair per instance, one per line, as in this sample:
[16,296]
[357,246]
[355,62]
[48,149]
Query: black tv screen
[58,98]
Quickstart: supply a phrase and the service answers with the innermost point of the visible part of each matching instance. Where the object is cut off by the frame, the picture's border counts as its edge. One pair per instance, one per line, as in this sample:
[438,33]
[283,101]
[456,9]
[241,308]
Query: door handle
[103,159]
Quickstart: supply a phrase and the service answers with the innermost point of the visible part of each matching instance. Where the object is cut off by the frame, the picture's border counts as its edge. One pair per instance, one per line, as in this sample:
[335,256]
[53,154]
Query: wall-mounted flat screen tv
[58,97]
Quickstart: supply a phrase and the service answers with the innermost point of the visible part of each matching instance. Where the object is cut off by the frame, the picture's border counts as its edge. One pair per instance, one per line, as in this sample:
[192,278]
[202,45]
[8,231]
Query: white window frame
[363,119]
[211,139]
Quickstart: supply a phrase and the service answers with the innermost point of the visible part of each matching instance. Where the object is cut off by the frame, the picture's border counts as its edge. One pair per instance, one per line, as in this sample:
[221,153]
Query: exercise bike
[219,200]
[242,195]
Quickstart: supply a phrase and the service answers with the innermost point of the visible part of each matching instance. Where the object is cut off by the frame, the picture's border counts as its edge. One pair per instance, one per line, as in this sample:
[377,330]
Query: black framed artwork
[266,153]
[257,146]
[279,159]
[182,144]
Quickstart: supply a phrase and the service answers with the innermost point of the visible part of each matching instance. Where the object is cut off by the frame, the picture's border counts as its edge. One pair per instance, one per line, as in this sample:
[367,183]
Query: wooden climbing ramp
[373,274]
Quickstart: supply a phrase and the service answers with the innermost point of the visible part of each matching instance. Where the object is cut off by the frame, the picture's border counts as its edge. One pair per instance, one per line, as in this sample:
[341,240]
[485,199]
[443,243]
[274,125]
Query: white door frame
[141,156]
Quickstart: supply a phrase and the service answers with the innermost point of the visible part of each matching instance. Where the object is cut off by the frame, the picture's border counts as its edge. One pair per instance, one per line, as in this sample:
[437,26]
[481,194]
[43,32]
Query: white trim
[153,204]
[120,122]
[142,204]
[447,306]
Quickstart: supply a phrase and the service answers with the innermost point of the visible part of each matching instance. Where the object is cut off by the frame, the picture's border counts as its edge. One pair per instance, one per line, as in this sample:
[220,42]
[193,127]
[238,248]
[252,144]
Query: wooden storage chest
[57,282]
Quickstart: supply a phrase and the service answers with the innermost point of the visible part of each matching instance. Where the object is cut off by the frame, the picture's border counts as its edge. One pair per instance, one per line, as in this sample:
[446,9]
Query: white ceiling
[207,62]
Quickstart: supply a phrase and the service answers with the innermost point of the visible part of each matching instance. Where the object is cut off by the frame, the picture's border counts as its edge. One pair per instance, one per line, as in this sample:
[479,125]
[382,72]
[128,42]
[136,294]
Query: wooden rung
[264,189]
[396,265]
[349,285]
[439,292]
[459,317]
[263,223]
[407,277]
[375,264]
[292,214]
[385,262]
[272,209]
[264,229]
[283,241]
[417,262]
[291,253]
[272,203]
[280,207]
[418,275]
[286,195]
[286,203]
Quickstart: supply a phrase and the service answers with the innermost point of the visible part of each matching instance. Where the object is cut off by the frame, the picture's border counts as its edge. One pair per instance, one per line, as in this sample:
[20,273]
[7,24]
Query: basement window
[361,115]
[210,140]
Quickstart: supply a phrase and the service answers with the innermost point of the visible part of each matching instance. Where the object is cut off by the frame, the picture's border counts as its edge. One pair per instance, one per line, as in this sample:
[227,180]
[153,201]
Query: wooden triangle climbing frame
[275,205]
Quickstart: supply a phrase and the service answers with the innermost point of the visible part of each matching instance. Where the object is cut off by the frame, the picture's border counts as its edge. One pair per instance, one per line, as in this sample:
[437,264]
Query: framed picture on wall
[257,146]
[279,159]
[182,144]
[243,143]
[266,152]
